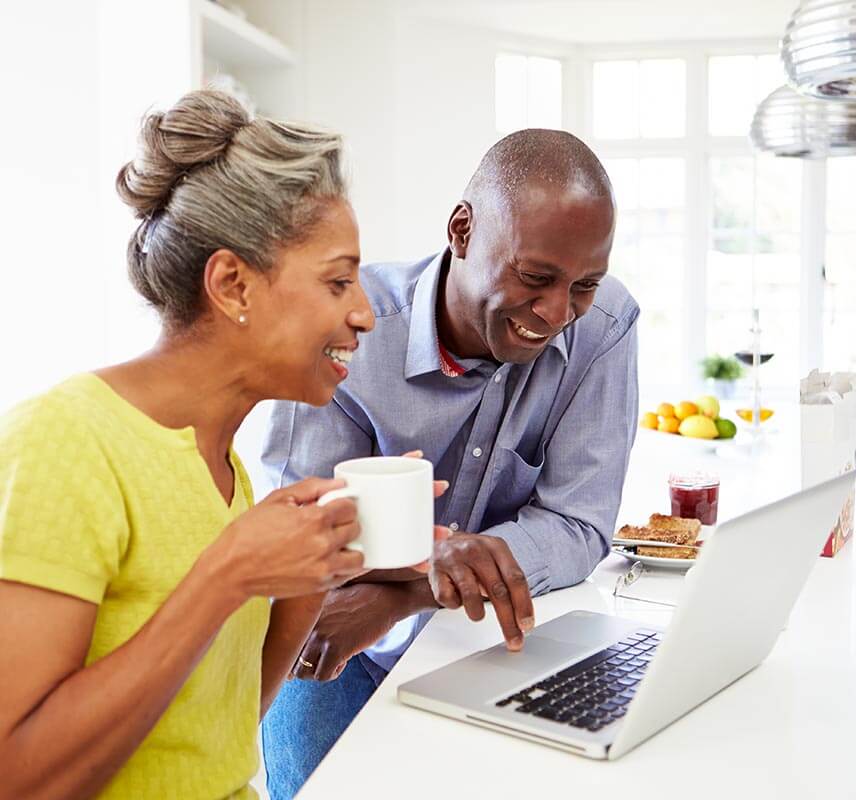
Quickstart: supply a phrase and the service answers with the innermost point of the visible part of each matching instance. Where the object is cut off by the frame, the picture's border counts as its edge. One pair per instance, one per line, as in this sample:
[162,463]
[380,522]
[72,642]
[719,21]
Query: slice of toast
[656,535]
[667,552]
[663,522]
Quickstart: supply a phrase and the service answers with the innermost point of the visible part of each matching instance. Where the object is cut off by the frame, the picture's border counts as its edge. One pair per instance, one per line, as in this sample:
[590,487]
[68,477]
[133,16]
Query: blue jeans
[305,721]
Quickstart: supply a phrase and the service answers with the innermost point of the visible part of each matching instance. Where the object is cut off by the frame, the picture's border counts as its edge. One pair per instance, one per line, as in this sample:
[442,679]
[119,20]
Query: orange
[669,425]
[665,410]
[649,420]
[685,409]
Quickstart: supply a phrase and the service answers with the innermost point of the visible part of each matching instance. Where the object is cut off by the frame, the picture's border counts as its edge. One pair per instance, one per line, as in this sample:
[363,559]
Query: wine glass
[754,358]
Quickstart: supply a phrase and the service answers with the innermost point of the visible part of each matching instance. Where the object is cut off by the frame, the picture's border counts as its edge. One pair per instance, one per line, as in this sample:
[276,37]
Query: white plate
[653,561]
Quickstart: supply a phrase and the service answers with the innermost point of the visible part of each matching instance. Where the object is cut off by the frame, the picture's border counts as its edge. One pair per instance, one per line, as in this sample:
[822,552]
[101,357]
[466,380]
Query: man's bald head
[553,160]
[530,243]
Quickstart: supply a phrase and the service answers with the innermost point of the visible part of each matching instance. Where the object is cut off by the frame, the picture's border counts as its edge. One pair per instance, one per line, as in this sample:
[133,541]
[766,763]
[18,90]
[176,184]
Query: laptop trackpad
[538,654]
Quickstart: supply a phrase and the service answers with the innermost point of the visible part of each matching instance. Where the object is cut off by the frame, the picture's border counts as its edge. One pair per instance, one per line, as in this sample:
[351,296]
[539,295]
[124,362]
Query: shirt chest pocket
[513,482]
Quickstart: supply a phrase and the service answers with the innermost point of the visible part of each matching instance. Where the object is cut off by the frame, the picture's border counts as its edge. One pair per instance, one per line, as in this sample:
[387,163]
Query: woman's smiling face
[308,312]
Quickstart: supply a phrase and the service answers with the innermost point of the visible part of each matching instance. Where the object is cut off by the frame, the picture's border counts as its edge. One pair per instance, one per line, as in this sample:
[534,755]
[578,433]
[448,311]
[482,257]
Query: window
[649,241]
[753,258]
[736,84]
[639,99]
[528,92]
[753,254]
[707,229]
[839,302]
[638,121]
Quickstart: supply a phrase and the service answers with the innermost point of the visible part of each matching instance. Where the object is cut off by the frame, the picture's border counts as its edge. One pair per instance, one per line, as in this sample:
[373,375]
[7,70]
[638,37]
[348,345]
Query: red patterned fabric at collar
[448,365]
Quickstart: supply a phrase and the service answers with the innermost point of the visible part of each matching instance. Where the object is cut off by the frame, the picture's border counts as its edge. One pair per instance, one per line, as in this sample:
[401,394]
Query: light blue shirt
[535,454]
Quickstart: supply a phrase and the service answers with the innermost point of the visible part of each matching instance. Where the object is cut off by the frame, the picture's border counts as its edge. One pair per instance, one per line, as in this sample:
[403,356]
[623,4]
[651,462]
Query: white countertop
[783,731]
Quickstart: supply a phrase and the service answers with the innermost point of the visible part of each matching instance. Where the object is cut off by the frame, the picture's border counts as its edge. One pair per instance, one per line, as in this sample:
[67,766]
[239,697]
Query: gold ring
[305,663]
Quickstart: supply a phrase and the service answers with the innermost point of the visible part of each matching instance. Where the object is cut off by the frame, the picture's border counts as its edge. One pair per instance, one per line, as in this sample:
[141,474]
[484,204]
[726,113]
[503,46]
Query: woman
[136,634]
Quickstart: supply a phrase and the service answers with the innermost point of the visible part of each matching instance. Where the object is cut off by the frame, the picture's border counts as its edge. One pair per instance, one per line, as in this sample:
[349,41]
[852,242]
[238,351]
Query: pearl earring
[242,319]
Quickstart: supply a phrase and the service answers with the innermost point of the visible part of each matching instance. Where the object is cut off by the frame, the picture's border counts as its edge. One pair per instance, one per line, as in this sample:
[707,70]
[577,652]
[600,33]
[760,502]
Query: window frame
[697,147]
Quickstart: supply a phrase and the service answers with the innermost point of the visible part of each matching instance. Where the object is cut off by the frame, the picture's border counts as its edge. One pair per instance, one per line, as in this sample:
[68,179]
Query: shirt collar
[423,353]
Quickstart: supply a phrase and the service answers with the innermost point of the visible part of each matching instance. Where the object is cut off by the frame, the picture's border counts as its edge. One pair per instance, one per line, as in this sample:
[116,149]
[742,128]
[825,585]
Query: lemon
[708,405]
[698,426]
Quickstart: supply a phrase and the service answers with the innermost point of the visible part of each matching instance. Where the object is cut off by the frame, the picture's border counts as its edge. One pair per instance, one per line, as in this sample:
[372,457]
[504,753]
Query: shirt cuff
[55,577]
[526,553]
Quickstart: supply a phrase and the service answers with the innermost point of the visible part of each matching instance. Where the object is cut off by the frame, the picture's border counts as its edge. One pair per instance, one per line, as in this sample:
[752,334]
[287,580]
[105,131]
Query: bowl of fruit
[698,422]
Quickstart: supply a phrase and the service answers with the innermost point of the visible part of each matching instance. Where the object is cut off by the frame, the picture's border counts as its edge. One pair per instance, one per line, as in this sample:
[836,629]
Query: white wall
[414,97]
[145,59]
[445,110]
[77,79]
[52,315]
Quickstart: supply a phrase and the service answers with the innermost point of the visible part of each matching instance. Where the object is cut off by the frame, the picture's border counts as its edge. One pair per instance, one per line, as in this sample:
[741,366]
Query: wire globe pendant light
[787,123]
[819,49]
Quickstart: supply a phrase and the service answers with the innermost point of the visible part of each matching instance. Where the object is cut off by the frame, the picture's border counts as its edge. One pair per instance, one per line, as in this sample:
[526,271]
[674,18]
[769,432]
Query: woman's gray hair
[207,176]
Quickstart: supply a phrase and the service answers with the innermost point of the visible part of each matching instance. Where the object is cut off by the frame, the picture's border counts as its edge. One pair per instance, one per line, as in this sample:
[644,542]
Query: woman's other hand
[288,546]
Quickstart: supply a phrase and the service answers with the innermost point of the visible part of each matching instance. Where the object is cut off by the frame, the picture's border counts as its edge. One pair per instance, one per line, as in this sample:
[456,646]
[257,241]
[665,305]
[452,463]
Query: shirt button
[454,526]
[497,378]
[477,452]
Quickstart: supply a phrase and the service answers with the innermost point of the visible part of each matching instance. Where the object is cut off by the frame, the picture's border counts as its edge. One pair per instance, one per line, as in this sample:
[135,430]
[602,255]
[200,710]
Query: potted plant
[722,372]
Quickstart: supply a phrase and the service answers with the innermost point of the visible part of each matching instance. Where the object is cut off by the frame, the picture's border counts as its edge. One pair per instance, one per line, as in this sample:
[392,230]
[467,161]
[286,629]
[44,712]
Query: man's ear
[227,282]
[459,229]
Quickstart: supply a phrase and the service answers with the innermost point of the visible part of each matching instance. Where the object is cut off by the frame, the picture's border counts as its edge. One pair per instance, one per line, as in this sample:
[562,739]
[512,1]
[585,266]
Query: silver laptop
[599,685]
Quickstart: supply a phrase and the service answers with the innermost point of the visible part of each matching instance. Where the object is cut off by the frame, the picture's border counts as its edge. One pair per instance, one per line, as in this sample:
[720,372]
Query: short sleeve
[62,516]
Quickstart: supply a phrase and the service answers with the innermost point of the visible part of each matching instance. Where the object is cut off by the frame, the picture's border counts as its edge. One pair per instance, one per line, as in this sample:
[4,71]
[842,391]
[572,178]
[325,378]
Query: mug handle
[339,494]
[336,494]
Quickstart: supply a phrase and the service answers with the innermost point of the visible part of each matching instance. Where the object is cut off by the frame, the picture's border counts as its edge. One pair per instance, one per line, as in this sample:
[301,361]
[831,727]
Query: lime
[726,428]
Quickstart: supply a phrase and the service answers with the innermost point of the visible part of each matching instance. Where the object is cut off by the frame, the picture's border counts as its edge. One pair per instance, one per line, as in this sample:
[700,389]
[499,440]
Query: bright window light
[528,92]
[662,97]
[544,93]
[510,92]
[639,99]
[648,252]
[839,306]
[754,257]
[616,99]
[736,84]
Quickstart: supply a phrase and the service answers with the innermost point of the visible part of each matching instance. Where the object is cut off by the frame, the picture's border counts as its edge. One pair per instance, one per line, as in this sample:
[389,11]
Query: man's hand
[352,619]
[466,563]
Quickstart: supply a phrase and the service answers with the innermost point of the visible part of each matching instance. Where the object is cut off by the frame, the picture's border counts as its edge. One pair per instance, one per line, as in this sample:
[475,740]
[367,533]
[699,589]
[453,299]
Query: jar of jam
[694,495]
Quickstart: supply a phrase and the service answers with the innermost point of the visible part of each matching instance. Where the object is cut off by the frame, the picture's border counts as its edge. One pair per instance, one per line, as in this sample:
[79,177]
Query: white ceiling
[599,21]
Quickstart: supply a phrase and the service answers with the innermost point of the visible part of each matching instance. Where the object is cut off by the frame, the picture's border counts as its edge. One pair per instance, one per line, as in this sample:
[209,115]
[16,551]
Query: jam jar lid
[693,480]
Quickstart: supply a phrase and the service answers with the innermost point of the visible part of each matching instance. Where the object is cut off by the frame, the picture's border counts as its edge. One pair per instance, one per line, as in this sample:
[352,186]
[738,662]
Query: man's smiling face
[530,268]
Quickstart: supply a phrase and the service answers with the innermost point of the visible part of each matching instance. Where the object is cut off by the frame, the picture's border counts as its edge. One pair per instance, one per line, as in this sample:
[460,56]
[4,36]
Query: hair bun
[195,131]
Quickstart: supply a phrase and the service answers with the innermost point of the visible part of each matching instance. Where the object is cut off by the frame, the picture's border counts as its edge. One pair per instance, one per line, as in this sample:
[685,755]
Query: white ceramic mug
[395,508]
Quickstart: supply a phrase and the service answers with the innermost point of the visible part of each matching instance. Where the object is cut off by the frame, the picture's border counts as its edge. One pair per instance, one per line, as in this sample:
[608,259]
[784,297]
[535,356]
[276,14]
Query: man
[510,360]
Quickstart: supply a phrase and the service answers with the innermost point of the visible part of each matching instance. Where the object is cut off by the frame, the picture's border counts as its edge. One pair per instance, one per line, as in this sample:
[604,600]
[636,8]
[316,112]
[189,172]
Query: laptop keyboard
[594,692]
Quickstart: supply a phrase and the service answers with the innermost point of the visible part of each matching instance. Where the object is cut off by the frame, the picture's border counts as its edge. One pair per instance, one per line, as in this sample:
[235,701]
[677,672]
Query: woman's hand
[287,545]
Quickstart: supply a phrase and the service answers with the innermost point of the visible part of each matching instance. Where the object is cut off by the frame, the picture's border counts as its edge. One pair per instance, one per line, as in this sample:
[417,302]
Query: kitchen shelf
[228,39]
